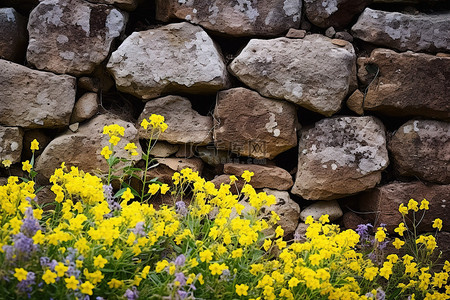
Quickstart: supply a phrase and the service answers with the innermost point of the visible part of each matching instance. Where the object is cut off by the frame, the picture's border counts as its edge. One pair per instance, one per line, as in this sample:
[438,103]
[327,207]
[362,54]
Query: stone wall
[336,106]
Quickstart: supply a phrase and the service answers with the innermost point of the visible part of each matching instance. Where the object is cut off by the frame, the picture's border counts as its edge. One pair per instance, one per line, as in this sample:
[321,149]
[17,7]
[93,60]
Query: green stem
[144,181]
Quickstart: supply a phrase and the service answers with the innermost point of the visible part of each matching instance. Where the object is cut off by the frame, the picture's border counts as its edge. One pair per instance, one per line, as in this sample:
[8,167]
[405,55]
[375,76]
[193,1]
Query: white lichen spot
[245,6]
[194,11]
[268,18]
[333,167]
[314,147]
[443,205]
[188,18]
[304,151]
[38,122]
[407,129]
[292,8]
[10,17]
[68,55]
[82,17]
[270,126]
[330,6]
[213,12]
[416,129]
[53,16]
[62,39]
[182,1]
[14,146]
[324,166]
[115,23]
[276,132]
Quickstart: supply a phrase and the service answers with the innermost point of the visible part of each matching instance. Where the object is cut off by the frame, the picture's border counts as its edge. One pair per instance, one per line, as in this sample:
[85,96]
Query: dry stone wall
[334,105]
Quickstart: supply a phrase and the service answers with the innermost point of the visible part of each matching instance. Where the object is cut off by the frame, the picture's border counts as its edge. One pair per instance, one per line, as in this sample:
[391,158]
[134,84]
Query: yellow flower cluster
[155,121]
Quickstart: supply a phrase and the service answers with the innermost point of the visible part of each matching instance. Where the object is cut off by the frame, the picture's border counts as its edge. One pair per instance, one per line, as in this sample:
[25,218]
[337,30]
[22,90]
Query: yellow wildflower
[400,229]
[99,261]
[71,282]
[403,209]
[20,274]
[247,175]
[437,223]
[86,288]
[49,277]
[398,243]
[34,145]
[241,289]
[106,152]
[127,195]
[424,204]
[6,163]
[26,166]
[413,205]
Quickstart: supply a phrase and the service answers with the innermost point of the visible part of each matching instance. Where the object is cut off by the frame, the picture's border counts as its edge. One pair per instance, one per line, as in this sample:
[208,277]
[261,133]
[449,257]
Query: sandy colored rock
[297,70]
[163,149]
[82,148]
[13,35]
[408,84]
[211,155]
[403,32]
[355,102]
[34,99]
[176,58]
[339,157]
[11,139]
[89,84]
[421,148]
[383,202]
[337,13]
[234,18]
[287,209]
[344,35]
[85,108]
[320,208]
[72,36]
[271,177]
[185,125]
[296,33]
[240,125]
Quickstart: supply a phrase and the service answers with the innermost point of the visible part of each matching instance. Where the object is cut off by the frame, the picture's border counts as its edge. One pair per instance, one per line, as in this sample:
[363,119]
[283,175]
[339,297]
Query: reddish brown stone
[239,125]
[421,148]
[271,177]
[408,84]
[383,203]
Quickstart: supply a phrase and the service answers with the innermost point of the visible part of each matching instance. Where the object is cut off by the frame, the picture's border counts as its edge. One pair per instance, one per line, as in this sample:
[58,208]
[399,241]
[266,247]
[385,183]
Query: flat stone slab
[430,33]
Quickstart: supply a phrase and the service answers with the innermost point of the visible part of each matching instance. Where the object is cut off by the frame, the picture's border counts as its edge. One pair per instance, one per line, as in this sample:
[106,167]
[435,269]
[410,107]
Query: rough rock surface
[239,124]
[271,177]
[355,102]
[298,70]
[82,148]
[339,157]
[175,58]
[185,125]
[34,99]
[408,84]
[287,209]
[316,210]
[337,13]
[85,108]
[163,149]
[11,144]
[234,18]
[128,5]
[421,148]
[384,201]
[13,35]
[403,32]
[72,36]
[41,136]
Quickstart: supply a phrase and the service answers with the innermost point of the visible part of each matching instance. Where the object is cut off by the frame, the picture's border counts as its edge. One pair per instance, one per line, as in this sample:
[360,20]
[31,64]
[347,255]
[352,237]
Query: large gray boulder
[176,58]
[234,18]
[339,157]
[430,33]
[408,84]
[421,148]
[72,36]
[311,72]
[34,99]
[240,123]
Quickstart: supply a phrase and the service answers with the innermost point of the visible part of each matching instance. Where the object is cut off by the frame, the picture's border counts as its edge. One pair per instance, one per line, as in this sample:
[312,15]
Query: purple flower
[182,294]
[139,229]
[30,225]
[180,208]
[112,204]
[45,261]
[131,294]
[25,285]
[381,295]
[180,278]
[180,260]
